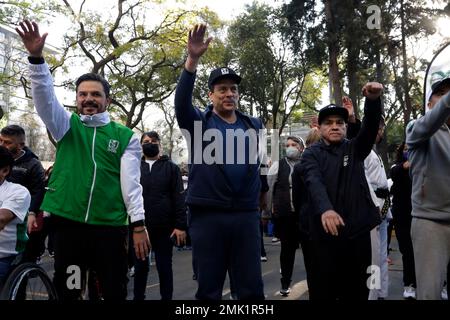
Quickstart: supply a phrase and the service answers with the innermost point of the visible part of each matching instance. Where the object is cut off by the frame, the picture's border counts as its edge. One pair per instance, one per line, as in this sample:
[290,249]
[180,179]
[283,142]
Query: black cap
[220,73]
[332,109]
[435,86]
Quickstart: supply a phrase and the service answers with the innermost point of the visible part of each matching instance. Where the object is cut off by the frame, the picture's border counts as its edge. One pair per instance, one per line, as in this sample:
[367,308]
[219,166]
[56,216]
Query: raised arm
[372,116]
[196,47]
[52,113]
[354,124]
[422,129]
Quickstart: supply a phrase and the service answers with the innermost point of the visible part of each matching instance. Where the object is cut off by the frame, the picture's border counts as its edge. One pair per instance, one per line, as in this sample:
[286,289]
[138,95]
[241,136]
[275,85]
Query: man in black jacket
[28,172]
[342,211]
[165,214]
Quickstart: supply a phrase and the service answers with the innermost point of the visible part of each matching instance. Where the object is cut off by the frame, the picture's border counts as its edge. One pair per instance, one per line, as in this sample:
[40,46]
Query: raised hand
[196,43]
[31,38]
[348,104]
[372,90]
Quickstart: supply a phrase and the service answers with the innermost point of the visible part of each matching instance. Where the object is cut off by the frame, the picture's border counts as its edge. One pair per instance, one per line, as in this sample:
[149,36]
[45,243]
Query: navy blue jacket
[209,186]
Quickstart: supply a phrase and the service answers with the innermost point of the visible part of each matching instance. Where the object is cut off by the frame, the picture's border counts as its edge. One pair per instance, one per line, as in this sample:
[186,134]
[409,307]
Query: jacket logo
[345,161]
[113,145]
[20,169]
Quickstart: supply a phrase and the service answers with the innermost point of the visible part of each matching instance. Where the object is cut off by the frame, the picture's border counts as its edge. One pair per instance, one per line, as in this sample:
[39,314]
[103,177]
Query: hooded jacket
[28,172]
[335,179]
[163,194]
[428,140]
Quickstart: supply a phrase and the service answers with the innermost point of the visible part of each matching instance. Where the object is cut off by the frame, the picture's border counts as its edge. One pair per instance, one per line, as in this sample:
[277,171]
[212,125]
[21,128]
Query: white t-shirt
[150,164]
[16,199]
[376,176]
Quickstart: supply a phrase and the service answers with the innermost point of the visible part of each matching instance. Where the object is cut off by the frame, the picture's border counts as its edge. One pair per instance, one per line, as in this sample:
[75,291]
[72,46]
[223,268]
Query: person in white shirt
[379,191]
[14,203]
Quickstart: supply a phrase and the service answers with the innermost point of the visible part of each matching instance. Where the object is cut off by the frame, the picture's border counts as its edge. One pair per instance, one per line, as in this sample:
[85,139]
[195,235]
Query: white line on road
[297,290]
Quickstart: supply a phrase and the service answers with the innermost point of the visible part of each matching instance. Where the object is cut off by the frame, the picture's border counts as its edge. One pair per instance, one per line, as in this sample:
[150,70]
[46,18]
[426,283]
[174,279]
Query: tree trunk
[170,151]
[352,69]
[405,80]
[333,53]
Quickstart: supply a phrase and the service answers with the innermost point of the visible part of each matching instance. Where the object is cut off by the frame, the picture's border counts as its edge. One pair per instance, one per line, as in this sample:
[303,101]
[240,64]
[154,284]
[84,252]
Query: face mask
[292,153]
[150,149]
[405,155]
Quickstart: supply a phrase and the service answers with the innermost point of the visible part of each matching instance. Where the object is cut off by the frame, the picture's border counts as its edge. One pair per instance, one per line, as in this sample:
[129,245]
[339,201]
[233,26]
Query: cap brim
[333,112]
[438,84]
[233,77]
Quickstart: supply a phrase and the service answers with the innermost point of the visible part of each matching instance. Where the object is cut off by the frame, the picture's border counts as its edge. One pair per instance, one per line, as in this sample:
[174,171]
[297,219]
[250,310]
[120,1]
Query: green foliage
[140,59]
[14,11]
[275,83]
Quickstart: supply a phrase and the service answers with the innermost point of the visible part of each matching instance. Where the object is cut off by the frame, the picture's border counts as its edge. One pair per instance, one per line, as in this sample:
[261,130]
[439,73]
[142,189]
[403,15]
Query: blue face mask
[405,155]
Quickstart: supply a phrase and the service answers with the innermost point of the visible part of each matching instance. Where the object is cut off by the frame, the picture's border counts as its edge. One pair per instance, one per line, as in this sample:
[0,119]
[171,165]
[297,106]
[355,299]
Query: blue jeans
[5,267]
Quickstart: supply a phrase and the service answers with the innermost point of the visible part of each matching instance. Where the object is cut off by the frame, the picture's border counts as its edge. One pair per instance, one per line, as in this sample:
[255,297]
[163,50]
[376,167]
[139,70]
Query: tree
[140,61]
[11,13]
[273,76]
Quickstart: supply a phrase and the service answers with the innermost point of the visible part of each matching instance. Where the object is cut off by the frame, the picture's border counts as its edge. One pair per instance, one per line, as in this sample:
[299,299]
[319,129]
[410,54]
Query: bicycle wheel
[28,281]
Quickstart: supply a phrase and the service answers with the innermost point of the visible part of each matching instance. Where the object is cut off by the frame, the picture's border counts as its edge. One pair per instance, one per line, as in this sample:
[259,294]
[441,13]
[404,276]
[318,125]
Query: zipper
[95,175]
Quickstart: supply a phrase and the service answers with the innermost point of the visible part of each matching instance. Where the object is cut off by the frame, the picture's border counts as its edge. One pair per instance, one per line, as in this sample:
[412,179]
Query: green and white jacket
[96,175]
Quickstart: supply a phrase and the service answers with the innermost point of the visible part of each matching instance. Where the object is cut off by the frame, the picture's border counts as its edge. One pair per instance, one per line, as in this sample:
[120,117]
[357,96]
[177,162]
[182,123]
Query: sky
[226,10]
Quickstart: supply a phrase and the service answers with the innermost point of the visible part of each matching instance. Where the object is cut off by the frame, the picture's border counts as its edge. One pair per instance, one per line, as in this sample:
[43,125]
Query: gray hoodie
[428,140]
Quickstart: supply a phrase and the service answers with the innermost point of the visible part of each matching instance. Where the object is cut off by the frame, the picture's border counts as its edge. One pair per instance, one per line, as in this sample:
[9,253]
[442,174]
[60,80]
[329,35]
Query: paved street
[185,287]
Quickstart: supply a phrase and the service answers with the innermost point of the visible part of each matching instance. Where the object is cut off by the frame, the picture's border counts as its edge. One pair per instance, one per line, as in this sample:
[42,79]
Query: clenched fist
[372,90]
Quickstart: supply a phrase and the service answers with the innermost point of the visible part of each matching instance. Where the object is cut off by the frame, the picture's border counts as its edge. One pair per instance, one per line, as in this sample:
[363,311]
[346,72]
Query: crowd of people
[112,196]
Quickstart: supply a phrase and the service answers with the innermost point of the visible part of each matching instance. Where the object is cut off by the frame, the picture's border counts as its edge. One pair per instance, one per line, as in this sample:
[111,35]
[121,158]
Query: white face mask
[292,153]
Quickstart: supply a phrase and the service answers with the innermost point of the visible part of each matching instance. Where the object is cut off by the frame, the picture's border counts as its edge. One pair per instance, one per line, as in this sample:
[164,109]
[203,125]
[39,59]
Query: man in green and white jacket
[94,188]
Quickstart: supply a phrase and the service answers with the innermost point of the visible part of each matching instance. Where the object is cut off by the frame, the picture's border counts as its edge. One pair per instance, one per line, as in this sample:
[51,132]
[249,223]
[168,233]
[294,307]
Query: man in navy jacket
[224,180]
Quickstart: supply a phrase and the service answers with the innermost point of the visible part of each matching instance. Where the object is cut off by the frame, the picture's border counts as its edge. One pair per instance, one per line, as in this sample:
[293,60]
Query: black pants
[227,241]
[402,226]
[340,267]
[35,246]
[288,232]
[263,250]
[306,244]
[83,247]
[162,246]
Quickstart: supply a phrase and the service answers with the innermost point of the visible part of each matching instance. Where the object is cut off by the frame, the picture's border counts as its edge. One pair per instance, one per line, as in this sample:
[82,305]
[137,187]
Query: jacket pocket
[435,192]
